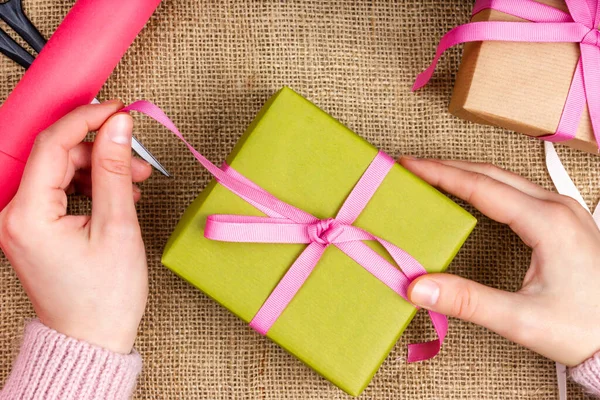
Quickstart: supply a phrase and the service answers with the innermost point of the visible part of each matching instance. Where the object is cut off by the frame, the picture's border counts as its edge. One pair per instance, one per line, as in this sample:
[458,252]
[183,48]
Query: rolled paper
[68,73]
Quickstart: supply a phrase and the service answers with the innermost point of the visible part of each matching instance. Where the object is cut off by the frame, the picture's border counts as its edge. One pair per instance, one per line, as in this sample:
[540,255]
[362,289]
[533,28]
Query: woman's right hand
[556,313]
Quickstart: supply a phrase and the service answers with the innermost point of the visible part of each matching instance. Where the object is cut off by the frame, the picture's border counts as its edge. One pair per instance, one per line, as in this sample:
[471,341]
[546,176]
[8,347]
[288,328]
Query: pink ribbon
[287,224]
[551,26]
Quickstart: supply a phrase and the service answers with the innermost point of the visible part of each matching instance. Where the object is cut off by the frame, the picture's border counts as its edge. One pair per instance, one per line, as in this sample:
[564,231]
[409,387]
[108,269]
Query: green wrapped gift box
[343,322]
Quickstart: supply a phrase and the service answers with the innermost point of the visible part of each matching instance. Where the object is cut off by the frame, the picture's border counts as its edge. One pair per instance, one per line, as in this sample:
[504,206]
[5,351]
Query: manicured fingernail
[137,189]
[411,158]
[425,293]
[119,129]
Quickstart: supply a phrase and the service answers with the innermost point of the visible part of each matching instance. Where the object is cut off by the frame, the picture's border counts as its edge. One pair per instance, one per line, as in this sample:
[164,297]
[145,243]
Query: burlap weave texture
[211,65]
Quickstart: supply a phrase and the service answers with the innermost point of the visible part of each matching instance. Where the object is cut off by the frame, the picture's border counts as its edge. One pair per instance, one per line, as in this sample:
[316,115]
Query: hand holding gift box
[338,304]
[540,88]
[551,66]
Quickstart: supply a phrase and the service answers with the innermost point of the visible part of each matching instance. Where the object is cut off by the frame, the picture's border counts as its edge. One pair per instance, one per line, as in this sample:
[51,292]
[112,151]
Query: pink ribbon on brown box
[549,25]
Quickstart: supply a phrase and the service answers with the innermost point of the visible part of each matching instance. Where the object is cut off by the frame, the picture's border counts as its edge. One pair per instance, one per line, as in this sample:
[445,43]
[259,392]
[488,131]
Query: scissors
[11,12]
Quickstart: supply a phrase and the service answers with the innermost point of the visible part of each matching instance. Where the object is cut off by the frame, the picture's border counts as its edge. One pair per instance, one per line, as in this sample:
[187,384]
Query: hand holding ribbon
[548,25]
[287,224]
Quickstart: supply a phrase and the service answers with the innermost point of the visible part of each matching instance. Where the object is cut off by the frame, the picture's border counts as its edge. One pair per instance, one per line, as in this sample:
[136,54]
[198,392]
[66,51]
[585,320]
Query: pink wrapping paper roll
[68,73]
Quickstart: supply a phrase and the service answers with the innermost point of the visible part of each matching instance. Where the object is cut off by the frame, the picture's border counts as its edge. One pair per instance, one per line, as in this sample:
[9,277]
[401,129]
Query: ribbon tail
[425,351]
[413,269]
[542,32]
[262,197]
[396,280]
[450,39]
[561,179]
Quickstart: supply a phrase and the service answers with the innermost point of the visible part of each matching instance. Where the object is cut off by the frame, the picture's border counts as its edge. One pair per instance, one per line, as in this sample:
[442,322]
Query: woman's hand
[85,275]
[557,311]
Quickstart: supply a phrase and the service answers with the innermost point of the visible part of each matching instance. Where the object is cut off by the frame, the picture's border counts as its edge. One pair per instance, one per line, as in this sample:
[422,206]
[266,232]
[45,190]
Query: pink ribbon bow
[548,25]
[287,224]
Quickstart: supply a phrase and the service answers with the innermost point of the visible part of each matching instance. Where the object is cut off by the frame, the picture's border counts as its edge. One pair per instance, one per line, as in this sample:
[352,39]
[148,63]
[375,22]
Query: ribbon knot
[592,37]
[325,231]
[284,223]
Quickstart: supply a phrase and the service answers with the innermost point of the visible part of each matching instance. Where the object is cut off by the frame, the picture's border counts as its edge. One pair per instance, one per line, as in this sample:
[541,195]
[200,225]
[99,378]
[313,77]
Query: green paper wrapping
[343,322]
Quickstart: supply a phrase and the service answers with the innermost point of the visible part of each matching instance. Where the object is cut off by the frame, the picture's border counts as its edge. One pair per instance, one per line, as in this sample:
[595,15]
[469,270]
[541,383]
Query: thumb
[112,191]
[470,301]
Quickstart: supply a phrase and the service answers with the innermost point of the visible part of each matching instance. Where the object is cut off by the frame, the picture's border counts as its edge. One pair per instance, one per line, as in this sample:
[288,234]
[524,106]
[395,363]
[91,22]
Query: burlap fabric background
[211,65]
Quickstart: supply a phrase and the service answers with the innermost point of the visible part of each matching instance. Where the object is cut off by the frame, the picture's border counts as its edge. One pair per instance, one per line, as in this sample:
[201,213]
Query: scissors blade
[143,152]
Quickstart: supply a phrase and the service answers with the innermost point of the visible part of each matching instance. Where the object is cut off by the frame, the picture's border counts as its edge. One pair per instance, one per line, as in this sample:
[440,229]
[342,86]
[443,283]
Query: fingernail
[137,189]
[425,293]
[119,129]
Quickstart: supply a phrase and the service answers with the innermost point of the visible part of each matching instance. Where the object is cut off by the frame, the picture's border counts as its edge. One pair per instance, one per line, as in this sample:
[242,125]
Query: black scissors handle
[12,13]
[14,51]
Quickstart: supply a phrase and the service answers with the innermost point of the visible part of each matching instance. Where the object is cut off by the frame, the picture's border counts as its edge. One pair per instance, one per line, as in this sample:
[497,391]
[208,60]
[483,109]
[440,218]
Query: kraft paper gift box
[519,86]
[343,322]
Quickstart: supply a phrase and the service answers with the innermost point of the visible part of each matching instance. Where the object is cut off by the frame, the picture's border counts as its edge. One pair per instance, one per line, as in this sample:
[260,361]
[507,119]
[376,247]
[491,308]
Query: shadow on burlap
[211,65]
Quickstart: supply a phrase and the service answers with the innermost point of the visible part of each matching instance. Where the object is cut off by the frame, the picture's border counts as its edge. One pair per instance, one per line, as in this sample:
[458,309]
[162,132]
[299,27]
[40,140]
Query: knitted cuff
[51,365]
[587,374]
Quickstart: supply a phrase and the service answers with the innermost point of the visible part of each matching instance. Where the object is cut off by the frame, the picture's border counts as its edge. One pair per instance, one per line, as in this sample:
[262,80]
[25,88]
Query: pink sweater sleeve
[587,374]
[51,365]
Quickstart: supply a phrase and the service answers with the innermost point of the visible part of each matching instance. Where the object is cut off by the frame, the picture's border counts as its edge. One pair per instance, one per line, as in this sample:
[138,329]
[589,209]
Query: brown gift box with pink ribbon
[519,86]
